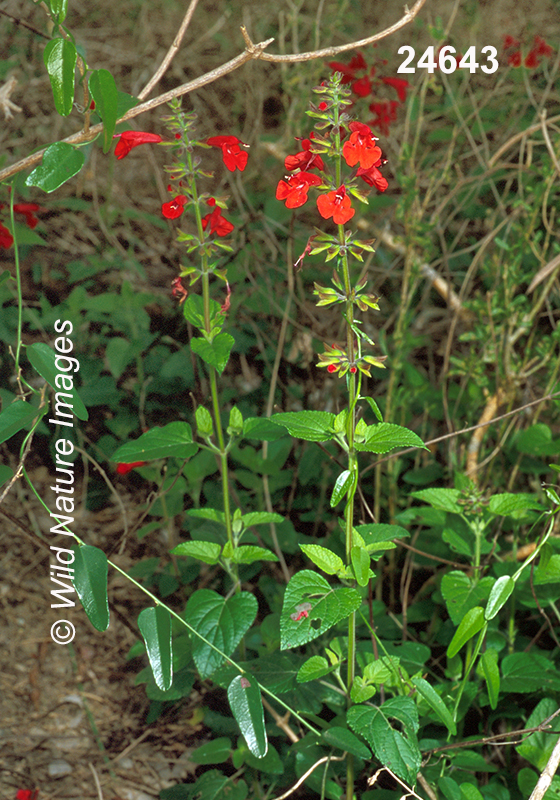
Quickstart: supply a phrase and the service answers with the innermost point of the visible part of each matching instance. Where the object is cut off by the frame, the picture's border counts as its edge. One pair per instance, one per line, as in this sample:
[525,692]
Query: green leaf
[386,436]
[262,429]
[245,701]
[449,788]
[314,668]
[216,353]
[212,785]
[155,627]
[343,739]
[499,595]
[328,606]
[374,407]
[470,792]
[442,499]
[249,553]
[209,552]
[537,748]
[461,593]
[43,359]
[436,703]
[60,162]
[548,570]
[360,564]
[215,752]
[396,750]
[529,672]
[341,487]
[173,440]
[261,518]
[312,426]
[6,474]
[223,623]
[507,504]
[60,58]
[104,91]
[59,9]
[489,665]
[325,559]
[208,513]
[470,625]
[90,582]
[16,416]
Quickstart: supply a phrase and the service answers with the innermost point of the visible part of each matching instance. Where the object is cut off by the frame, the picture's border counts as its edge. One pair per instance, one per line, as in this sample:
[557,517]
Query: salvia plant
[329,692]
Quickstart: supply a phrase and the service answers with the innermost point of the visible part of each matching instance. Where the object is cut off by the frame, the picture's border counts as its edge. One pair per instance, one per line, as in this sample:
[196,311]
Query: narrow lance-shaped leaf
[155,627]
[245,701]
[90,582]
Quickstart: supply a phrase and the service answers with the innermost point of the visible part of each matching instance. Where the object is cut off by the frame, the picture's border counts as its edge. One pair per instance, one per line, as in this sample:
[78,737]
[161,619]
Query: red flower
[27,209]
[541,48]
[27,794]
[514,60]
[336,204]
[399,84]
[130,139]
[124,469]
[361,147]
[362,87]
[531,59]
[6,238]
[232,154]
[294,190]
[323,105]
[373,177]
[218,224]
[386,113]
[174,208]
[510,41]
[179,290]
[305,159]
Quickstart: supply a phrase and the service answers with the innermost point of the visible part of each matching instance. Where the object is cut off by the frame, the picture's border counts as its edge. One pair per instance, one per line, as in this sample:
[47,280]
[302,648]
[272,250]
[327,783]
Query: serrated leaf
[173,440]
[104,91]
[155,627]
[43,359]
[262,429]
[489,664]
[507,504]
[325,559]
[90,582]
[16,416]
[216,353]
[208,513]
[246,705]
[261,518]
[392,748]
[60,163]
[329,606]
[499,595]
[529,672]
[442,499]
[385,436]
[60,58]
[470,625]
[314,668]
[249,553]
[223,623]
[312,426]
[436,703]
[341,487]
[209,552]
[461,593]
[343,739]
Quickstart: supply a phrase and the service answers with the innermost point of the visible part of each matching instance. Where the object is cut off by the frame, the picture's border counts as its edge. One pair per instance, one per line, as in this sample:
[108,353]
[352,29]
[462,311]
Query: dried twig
[251,52]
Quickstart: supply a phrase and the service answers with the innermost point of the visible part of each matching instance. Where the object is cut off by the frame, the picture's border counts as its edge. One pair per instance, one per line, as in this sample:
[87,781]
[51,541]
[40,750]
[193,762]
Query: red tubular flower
[305,159]
[541,48]
[232,154]
[27,794]
[399,84]
[361,147]
[336,204]
[532,60]
[174,208]
[373,177]
[386,113]
[6,238]
[179,290]
[362,87]
[218,224]
[514,60]
[124,469]
[510,41]
[130,139]
[294,190]
[28,210]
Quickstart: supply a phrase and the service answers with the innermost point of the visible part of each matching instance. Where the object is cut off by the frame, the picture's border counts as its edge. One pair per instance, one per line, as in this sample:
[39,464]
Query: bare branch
[251,52]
